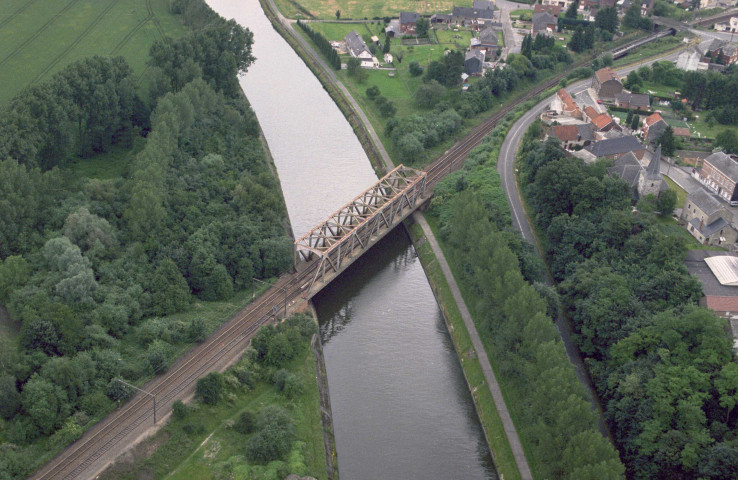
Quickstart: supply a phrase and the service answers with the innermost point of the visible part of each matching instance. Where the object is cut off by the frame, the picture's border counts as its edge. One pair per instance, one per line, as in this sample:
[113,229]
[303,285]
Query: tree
[632,16]
[666,202]
[210,388]
[179,410]
[246,422]
[415,69]
[636,122]
[629,117]
[386,46]
[667,141]
[338,14]
[13,274]
[421,26]
[9,397]
[428,94]
[274,437]
[399,54]
[372,92]
[169,290]
[353,65]
[728,140]
[607,19]
[571,11]
[45,403]
[576,42]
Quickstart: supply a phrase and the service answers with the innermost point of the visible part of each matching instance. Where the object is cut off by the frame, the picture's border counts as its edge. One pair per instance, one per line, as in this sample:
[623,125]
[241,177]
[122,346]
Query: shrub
[210,388]
[274,438]
[179,410]
[246,423]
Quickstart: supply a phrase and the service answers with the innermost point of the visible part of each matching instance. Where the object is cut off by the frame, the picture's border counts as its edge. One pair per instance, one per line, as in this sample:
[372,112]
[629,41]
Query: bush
[179,410]
[210,388]
[274,438]
[415,69]
[246,423]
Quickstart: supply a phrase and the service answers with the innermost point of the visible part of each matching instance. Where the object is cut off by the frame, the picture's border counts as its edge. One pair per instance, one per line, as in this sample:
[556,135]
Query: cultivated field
[359,10]
[40,37]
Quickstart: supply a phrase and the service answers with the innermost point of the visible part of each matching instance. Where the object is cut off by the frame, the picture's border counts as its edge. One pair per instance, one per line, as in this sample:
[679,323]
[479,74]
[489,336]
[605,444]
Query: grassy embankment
[37,39]
[359,10]
[205,446]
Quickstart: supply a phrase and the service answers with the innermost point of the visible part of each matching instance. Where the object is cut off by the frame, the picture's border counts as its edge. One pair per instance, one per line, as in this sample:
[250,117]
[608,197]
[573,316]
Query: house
[407,22]
[392,29]
[554,10]
[543,22]
[564,104]
[614,148]
[728,54]
[607,83]
[720,51]
[653,126]
[719,290]
[472,17]
[634,101]
[729,26]
[474,62]
[707,219]
[562,4]
[441,18]
[388,58]
[488,38]
[692,60]
[602,122]
[627,167]
[483,5]
[358,49]
[572,135]
[719,173]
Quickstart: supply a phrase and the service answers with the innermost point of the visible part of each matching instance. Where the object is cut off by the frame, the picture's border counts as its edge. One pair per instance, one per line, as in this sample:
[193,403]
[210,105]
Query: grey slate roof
[541,20]
[474,13]
[355,43]
[585,132]
[613,146]
[705,201]
[488,37]
[441,17]
[628,168]
[474,62]
[725,164]
[695,262]
[654,167]
[633,99]
[408,17]
[710,229]
[484,5]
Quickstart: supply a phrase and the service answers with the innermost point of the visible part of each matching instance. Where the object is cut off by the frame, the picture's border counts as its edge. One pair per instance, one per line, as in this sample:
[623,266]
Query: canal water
[401,407]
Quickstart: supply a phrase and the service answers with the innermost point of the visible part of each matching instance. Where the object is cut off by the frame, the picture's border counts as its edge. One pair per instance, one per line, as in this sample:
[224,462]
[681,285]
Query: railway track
[73,461]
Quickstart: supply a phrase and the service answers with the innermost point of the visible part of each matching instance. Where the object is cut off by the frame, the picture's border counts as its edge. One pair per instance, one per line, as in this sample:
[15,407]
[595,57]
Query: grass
[681,193]
[337,31]
[648,50]
[211,445]
[485,406]
[671,227]
[37,39]
[350,9]
[524,14]
[105,166]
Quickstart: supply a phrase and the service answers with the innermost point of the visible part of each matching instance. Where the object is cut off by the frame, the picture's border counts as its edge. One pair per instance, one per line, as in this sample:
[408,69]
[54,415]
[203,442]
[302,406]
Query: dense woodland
[663,367]
[501,275]
[92,268]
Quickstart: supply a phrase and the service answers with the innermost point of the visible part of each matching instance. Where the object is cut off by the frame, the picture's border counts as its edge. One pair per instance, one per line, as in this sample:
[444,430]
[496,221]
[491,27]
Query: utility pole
[142,391]
[253,293]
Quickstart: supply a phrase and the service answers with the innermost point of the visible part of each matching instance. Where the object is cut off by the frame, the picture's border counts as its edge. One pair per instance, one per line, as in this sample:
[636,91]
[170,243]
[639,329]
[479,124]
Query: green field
[38,38]
[350,9]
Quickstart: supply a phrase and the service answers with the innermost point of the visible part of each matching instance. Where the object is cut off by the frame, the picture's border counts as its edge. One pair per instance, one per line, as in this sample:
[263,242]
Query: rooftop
[605,74]
[697,266]
[614,146]
[705,201]
[473,13]
[408,17]
[725,164]
[602,120]
[633,99]
[565,132]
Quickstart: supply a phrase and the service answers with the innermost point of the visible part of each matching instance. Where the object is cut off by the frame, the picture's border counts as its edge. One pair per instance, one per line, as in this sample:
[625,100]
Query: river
[401,407]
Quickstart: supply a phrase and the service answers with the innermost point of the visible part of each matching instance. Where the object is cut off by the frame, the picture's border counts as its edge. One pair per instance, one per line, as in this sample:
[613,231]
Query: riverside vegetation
[115,275]
[663,367]
[500,277]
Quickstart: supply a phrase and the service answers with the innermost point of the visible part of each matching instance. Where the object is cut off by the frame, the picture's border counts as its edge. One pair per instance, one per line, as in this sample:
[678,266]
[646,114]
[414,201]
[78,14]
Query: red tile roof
[554,10]
[566,99]
[565,133]
[653,118]
[590,111]
[682,132]
[602,120]
[606,74]
[722,304]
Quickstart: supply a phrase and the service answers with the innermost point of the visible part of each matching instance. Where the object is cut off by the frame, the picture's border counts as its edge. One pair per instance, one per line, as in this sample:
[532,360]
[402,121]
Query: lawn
[681,193]
[203,446]
[350,9]
[523,14]
[39,38]
[338,31]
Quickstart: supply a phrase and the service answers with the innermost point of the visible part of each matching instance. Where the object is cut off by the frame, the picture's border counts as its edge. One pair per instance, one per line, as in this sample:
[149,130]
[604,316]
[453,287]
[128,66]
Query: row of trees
[325,46]
[663,367]
[552,412]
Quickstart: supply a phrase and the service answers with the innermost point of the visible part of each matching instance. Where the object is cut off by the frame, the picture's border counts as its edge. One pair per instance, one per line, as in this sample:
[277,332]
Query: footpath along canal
[401,407]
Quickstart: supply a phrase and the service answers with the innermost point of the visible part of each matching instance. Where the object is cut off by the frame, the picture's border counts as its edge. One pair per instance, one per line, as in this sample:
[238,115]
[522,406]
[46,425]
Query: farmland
[326,9]
[40,37]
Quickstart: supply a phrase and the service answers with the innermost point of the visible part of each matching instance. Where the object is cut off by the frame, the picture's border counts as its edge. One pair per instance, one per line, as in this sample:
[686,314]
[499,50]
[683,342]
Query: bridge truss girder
[354,228]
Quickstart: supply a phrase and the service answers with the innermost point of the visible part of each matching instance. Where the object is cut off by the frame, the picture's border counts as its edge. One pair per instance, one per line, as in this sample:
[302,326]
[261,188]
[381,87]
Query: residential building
[614,148]
[543,22]
[565,105]
[358,49]
[407,22]
[729,26]
[719,173]
[572,135]
[719,290]
[488,38]
[607,83]
[472,17]
[483,5]
[653,126]
[692,60]
[444,19]
[563,4]
[392,29]
[708,220]
[642,180]
[474,62]
[682,132]
[554,10]
[634,101]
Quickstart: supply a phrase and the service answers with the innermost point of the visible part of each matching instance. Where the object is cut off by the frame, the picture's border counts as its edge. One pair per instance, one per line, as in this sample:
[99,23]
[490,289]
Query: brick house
[472,17]
[554,10]
[543,22]
[634,101]
[474,62]
[653,126]
[607,83]
[720,174]
[358,49]
[565,105]
[562,4]
[572,135]
[407,22]
[708,220]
